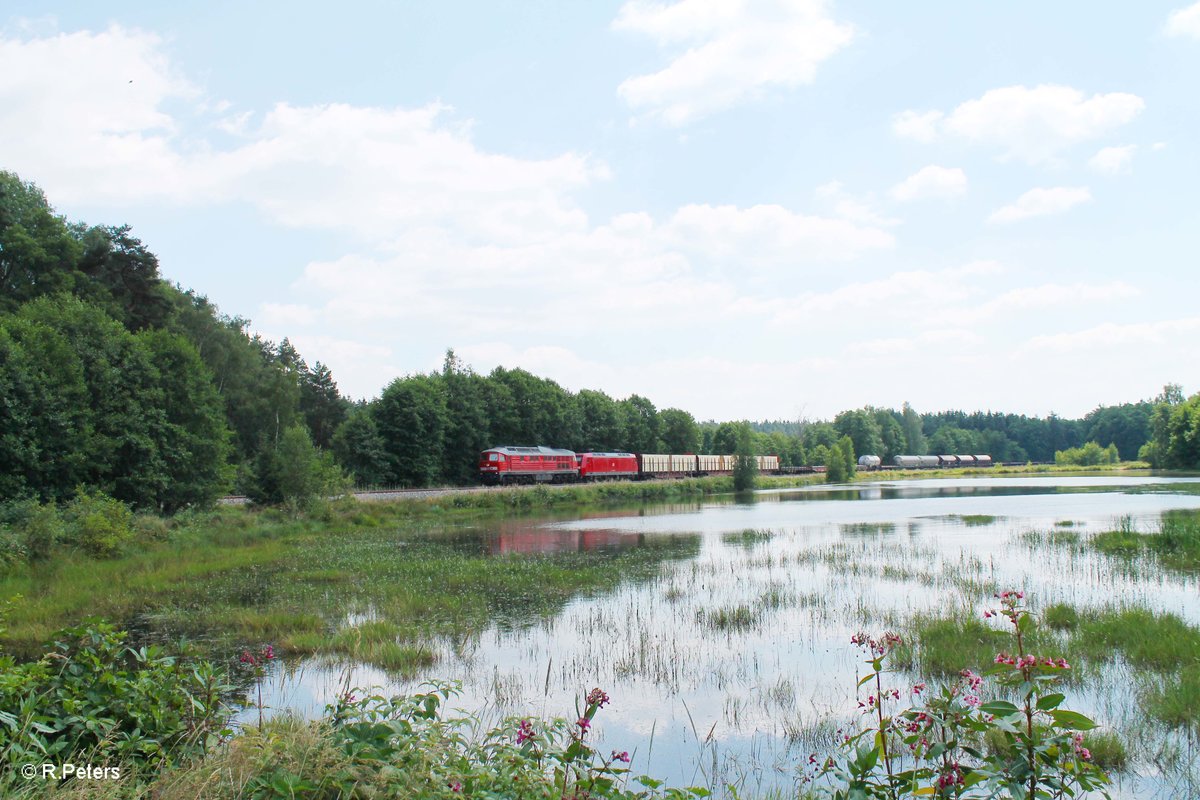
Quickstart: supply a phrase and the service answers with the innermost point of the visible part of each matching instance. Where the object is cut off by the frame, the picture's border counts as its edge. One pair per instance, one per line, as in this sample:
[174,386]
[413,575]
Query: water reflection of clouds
[810,574]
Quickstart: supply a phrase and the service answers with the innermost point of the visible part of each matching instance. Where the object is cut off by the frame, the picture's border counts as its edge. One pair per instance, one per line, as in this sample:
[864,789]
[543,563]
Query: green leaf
[1072,720]
[1049,701]
[999,708]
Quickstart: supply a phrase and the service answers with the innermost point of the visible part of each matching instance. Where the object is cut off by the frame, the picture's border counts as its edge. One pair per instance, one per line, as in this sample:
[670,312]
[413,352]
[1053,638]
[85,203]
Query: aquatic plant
[933,748]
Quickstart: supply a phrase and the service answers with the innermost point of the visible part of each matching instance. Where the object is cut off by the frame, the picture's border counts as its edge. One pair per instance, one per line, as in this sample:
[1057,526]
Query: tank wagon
[508,464]
[944,461]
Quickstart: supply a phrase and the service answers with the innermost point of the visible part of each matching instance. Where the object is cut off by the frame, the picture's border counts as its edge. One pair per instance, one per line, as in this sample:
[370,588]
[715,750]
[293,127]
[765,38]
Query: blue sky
[743,209]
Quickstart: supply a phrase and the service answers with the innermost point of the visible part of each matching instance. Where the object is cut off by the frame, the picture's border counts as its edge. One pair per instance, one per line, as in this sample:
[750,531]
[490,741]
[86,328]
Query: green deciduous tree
[914,433]
[1127,426]
[679,431]
[411,416]
[1175,434]
[601,426]
[745,466]
[466,420]
[45,418]
[641,425]
[38,253]
[862,428]
[295,473]
[359,448]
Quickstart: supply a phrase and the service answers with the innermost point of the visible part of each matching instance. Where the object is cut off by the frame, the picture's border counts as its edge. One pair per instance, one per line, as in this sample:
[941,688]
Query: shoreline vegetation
[123,564]
[232,578]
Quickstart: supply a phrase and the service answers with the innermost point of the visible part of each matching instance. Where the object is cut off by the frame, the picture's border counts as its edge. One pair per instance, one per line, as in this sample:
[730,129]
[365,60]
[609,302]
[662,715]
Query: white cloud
[1042,202]
[909,300]
[851,207]
[732,52]
[1055,295]
[917,125]
[1113,160]
[1185,22]
[83,112]
[85,115]
[1179,334]
[1030,124]
[931,181]
[769,234]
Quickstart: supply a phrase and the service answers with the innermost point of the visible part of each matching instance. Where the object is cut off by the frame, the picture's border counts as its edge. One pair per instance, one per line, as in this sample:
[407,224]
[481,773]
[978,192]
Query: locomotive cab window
[493,456]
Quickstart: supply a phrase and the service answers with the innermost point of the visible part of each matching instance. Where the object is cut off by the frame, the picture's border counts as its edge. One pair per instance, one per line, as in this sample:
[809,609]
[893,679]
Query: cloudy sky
[740,208]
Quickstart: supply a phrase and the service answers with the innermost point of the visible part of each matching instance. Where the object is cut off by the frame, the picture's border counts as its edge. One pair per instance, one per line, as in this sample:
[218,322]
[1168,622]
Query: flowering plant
[934,748]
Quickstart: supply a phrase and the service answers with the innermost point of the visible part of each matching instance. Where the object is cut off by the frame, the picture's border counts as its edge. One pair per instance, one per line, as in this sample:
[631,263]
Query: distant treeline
[114,381]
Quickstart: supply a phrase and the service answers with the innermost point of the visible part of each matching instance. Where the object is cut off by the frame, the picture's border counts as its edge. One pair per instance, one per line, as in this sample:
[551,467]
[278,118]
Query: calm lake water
[697,702]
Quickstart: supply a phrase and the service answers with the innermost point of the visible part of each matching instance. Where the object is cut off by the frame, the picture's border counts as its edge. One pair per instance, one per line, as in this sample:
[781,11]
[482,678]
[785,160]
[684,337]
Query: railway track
[370,495]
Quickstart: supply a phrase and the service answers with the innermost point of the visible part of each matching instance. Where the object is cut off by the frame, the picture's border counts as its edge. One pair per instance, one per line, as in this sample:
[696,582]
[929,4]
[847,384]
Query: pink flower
[597,697]
[455,786]
[621,756]
[584,723]
[918,688]
[525,732]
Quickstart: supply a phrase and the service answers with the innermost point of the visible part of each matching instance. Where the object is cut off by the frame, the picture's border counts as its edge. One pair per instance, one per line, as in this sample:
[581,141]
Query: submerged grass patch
[1176,544]
[747,538]
[946,645]
[1146,639]
[1177,702]
[730,618]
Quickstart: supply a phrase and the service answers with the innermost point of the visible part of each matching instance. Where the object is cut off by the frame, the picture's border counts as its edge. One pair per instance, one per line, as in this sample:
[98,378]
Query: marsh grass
[239,576]
[1146,639]
[747,538]
[739,617]
[868,529]
[1177,701]
[945,645]
[1175,545]
[1061,617]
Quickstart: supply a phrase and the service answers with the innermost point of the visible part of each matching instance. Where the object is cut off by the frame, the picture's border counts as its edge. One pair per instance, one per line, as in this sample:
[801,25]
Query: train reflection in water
[547,541]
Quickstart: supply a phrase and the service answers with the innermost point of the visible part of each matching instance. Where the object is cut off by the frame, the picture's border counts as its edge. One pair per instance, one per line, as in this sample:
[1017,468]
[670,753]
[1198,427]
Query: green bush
[92,697]
[408,747]
[43,530]
[12,547]
[98,524]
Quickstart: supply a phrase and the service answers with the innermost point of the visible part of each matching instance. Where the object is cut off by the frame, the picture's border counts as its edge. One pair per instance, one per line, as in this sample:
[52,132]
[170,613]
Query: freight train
[507,465]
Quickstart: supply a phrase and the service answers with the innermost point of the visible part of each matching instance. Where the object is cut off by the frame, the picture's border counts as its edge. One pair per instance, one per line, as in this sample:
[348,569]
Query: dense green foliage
[745,467]
[91,696]
[1090,455]
[114,381]
[1175,431]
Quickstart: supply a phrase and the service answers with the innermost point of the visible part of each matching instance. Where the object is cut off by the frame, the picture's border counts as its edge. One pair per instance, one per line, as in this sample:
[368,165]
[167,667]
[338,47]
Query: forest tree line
[112,380]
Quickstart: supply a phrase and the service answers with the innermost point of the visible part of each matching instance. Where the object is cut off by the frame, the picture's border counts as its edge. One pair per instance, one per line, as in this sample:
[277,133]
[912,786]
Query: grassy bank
[371,581]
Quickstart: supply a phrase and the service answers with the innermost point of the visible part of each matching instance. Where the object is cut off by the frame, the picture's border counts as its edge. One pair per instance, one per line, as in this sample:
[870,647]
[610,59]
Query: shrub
[98,524]
[375,746]
[91,696]
[43,530]
[12,547]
